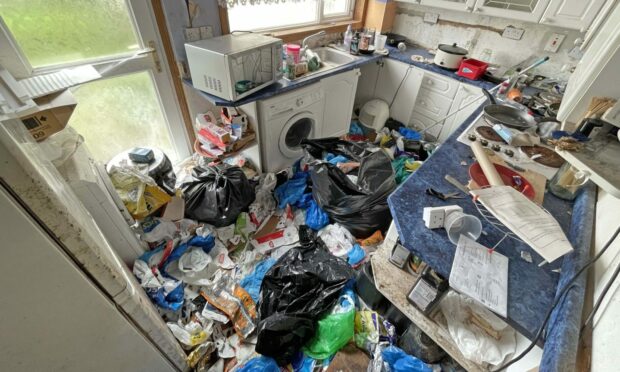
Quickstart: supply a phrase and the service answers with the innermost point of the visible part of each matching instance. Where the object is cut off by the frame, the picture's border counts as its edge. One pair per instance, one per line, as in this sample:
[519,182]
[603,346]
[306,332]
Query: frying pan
[506,115]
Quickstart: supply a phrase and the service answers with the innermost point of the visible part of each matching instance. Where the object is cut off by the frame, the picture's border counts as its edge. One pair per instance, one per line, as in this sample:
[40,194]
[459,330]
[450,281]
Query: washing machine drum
[298,128]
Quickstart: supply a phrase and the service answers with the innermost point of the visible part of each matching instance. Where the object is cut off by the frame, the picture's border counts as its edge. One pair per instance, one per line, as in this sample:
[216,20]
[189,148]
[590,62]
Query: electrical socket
[513,33]
[434,217]
[553,44]
[191,34]
[431,17]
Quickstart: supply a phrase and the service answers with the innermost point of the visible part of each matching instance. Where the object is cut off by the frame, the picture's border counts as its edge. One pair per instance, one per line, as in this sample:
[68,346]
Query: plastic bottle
[355,44]
[348,35]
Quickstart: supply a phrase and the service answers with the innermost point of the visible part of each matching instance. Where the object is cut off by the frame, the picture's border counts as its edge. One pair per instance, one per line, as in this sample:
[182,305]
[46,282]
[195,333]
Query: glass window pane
[334,7]
[60,31]
[272,16]
[116,114]
[520,5]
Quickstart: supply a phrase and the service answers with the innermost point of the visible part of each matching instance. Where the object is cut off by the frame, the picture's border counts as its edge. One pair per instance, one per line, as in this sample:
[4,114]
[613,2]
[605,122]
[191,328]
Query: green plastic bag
[334,330]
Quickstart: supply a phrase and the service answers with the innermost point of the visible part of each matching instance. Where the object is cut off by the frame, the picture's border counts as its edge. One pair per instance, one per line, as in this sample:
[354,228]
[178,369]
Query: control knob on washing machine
[299,102]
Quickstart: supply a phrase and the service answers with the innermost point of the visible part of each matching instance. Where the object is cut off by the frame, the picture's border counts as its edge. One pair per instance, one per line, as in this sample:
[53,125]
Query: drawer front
[443,85]
[419,122]
[432,105]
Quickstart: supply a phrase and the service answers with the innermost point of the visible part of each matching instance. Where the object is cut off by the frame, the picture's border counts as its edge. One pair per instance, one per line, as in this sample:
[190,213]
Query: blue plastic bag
[251,283]
[316,218]
[338,159]
[260,364]
[304,201]
[356,255]
[410,134]
[291,191]
[399,361]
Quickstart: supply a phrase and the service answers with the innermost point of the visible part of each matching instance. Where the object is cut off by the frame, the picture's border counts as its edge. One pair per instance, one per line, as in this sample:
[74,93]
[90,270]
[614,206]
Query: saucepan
[507,115]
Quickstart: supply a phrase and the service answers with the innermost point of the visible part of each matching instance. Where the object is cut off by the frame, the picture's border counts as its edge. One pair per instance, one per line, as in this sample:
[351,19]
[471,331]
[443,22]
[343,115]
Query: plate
[477,175]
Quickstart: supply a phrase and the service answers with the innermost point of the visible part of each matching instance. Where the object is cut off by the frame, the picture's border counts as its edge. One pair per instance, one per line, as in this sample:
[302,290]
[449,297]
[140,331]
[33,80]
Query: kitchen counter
[531,289]
[415,50]
[283,85]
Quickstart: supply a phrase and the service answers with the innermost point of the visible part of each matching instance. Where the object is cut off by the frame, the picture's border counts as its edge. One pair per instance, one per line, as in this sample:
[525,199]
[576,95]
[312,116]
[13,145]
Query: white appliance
[284,121]
[73,305]
[596,75]
[235,65]
[374,114]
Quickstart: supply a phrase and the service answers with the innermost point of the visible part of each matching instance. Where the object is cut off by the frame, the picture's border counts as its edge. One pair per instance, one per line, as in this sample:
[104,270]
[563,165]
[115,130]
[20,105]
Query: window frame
[331,23]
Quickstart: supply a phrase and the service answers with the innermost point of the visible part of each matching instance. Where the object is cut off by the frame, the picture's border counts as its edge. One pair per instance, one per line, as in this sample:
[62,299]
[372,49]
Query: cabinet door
[523,10]
[462,5]
[339,91]
[367,83]
[468,99]
[398,85]
[575,14]
[421,122]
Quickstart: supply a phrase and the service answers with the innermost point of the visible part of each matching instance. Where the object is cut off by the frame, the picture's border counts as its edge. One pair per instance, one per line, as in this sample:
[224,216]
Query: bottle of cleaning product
[355,44]
[348,35]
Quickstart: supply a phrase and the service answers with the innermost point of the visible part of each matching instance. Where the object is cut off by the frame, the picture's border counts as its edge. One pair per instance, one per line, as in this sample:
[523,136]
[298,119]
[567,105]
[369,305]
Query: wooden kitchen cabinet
[523,10]
[463,101]
[339,94]
[575,14]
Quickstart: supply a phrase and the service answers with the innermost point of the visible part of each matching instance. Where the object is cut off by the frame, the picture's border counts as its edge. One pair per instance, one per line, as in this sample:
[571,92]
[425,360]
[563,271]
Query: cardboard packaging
[53,115]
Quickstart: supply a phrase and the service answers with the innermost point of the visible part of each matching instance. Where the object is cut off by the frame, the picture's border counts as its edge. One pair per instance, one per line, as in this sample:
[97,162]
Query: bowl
[507,174]
[370,50]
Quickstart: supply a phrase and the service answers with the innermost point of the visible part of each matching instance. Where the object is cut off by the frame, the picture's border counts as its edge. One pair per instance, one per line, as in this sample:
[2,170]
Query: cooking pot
[449,56]
[393,39]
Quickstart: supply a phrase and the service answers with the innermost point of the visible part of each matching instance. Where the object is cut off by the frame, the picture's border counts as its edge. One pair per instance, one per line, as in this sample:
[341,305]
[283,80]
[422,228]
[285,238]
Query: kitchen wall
[477,32]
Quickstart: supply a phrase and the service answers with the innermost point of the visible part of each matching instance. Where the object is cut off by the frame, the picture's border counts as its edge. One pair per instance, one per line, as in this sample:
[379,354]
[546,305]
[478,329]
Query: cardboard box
[53,115]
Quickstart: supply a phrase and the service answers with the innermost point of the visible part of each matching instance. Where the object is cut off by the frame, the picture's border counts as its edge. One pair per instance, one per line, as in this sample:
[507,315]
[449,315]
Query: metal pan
[506,115]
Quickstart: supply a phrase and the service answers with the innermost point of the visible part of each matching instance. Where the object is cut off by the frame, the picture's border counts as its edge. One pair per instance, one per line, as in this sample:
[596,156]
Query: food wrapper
[139,193]
[372,240]
[236,304]
[367,329]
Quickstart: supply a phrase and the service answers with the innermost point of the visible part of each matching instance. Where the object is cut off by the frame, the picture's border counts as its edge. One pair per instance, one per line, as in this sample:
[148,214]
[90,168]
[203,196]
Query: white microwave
[236,65]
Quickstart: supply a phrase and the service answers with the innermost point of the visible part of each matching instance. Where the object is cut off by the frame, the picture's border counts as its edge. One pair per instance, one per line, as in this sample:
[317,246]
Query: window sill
[297,34]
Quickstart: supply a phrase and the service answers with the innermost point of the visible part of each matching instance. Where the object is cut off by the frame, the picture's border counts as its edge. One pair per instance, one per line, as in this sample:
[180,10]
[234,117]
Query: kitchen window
[278,15]
[133,104]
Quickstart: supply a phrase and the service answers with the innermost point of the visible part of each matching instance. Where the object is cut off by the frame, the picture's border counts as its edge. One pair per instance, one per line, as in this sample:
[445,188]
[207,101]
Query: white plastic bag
[476,344]
[194,260]
[338,240]
[264,205]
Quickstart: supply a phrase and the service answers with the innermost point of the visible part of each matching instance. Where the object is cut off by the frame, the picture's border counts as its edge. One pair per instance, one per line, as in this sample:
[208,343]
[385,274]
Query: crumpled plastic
[194,260]
[264,205]
[260,364]
[291,191]
[157,230]
[360,205]
[166,293]
[334,330]
[476,344]
[410,134]
[190,334]
[338,240]
[217,194]
[367,329]
[301,287]
[399,361]
[356,255]
[140,193]
[316,218]
[403,168]
[253,281]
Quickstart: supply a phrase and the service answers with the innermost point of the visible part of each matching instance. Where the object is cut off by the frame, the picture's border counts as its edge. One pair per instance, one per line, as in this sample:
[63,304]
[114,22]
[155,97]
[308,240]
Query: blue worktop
[531,289]
[283,85]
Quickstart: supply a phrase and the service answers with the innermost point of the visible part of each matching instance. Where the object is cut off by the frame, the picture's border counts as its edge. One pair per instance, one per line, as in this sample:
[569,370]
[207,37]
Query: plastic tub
[472,69]
[293,49]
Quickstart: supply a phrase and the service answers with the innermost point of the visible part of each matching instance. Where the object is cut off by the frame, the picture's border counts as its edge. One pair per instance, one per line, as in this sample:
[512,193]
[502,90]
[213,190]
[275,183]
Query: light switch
[513,33]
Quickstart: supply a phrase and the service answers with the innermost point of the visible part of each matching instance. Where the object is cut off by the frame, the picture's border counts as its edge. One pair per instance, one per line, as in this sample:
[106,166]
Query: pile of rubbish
[257,273]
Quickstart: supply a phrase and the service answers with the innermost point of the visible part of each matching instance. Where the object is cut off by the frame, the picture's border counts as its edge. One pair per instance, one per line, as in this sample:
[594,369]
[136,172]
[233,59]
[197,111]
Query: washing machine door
[296,129]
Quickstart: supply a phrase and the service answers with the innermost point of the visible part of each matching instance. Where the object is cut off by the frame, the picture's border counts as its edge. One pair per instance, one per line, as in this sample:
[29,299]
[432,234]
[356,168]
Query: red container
[472,69]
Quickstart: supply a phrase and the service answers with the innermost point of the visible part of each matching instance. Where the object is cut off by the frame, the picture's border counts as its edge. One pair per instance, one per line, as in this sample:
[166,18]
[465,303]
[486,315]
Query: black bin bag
[299,289]
[217,194]
[360,206]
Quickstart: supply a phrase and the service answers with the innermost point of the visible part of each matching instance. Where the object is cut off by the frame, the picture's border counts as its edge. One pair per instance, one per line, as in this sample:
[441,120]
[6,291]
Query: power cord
[400,85]
[600,298]
[564,290]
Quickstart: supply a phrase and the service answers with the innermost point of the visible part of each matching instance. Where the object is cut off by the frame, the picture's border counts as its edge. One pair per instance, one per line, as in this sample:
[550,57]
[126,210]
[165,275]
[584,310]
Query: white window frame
[145,26]
[322,19]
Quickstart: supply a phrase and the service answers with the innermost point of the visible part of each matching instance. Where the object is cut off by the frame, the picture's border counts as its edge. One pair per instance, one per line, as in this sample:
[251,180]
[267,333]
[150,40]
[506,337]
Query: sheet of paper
[481,275]
[531,223]
[42,85]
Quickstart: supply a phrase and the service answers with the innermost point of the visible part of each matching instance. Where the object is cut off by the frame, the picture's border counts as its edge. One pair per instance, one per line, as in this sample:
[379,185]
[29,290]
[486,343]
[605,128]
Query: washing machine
[284,121]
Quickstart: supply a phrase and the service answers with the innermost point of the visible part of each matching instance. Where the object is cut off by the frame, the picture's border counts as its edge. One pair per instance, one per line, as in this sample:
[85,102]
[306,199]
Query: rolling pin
[487,166]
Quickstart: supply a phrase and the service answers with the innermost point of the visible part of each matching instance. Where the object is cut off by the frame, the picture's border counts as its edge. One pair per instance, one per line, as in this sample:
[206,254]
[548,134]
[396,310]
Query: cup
[567,182]
[458,223]
[380,41]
